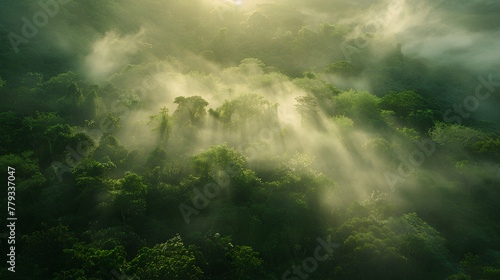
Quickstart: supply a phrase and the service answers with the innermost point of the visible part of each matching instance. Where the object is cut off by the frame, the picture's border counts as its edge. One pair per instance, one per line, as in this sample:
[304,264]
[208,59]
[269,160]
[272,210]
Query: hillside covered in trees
[205,139]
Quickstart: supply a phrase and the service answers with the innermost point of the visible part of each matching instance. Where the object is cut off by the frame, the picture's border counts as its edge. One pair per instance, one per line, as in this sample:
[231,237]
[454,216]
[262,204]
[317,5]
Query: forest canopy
[204,139]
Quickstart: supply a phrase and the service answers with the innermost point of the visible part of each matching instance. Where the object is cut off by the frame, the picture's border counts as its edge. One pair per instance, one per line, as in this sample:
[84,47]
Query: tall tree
[190,110]
[163,124]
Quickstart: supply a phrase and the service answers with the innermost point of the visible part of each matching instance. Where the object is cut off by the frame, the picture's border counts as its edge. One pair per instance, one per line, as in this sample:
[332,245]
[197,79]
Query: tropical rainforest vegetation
[169,139]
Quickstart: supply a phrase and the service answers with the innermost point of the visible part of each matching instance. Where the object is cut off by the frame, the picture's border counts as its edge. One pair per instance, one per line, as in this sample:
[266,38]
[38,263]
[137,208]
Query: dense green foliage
[227,144]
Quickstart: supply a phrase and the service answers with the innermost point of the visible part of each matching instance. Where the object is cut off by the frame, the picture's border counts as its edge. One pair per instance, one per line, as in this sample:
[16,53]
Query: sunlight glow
[236,2]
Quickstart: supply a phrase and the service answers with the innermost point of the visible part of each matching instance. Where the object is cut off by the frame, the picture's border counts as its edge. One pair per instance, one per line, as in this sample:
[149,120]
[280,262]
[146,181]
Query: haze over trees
[251,139]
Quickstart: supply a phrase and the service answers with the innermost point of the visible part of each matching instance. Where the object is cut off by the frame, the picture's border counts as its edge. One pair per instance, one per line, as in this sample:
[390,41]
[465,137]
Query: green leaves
[244,111]
[360,106]
[308,110]
[217,158]
[343,68]
[456,137]
[397,248]
[190,110]
[402,103]
[420,242]
[109,149]
[92,263]
[59,84]
[169,260]
[245,263]
[130,200]
[48,241]
[163,123]
[410,107]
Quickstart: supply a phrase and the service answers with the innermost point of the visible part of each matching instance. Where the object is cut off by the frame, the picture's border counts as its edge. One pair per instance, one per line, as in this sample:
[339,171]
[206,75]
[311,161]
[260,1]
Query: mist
[269,125]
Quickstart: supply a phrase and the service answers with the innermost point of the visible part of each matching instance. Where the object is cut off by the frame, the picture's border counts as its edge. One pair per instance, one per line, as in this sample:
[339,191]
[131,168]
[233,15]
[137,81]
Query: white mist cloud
[111,53]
